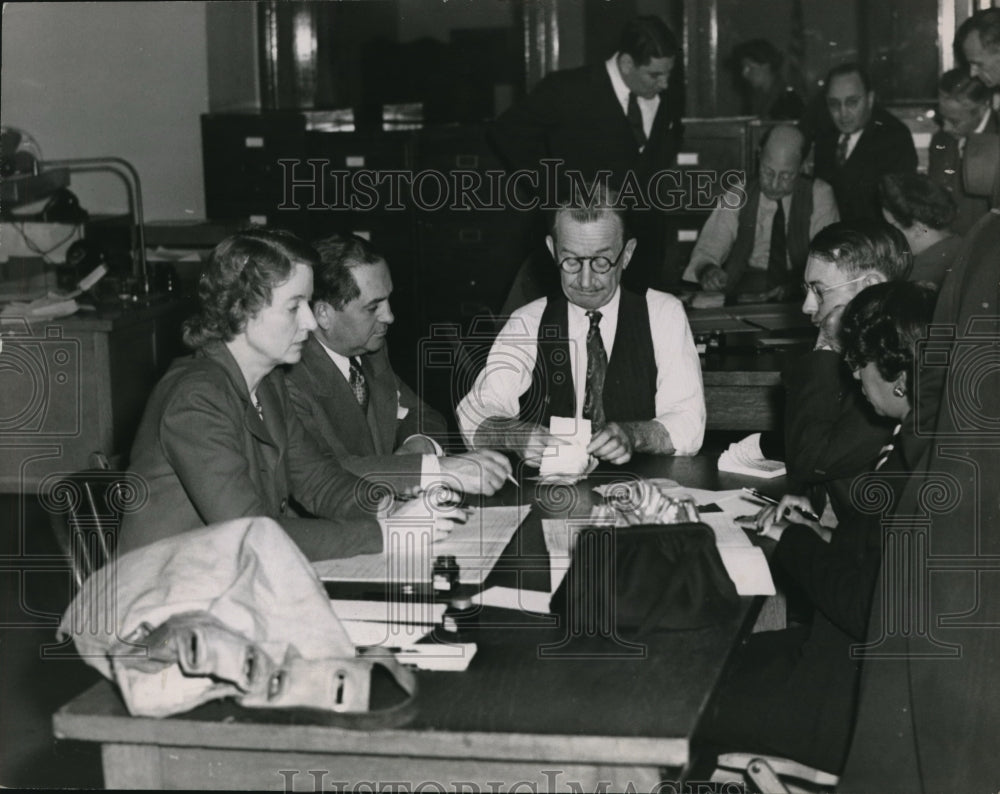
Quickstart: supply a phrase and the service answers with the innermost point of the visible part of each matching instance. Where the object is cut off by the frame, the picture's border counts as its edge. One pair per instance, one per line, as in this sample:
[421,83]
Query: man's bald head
[781,153]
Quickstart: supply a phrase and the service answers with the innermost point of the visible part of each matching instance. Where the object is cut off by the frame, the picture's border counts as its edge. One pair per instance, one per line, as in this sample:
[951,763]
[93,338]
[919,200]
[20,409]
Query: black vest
[737,263]
[630,382]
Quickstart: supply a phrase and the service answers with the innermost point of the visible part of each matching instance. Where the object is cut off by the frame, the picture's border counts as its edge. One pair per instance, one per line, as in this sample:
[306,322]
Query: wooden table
[531,708]
[742,378]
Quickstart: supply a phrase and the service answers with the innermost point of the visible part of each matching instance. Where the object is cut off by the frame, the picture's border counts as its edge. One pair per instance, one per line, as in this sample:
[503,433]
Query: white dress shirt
[647,107]
[852,141]
[430,467]
[680,397]
[719,232]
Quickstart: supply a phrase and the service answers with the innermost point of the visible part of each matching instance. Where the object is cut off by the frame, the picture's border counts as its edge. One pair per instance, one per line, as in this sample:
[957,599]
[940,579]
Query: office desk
[534,707]
[77,385]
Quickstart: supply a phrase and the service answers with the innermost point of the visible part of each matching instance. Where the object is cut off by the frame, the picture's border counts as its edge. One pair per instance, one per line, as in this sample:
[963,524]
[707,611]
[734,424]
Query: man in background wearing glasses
[626,362]
[756,240]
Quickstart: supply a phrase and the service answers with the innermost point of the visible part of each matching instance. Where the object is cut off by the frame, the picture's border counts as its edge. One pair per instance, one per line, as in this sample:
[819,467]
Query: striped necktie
[359,385]
[597,368]
[886,451]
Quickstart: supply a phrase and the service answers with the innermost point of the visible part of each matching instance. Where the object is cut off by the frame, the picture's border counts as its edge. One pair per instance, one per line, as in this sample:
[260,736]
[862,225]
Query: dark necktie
[777,267]
[359,385]
[635,120]
[597,367]
[842,148]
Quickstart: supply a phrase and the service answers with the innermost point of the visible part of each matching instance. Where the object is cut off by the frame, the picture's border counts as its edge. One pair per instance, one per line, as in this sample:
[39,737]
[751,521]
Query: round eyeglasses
[598,264]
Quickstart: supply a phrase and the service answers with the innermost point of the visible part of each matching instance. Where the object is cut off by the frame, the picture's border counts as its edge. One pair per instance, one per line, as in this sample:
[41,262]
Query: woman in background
[757,66]
[219,438]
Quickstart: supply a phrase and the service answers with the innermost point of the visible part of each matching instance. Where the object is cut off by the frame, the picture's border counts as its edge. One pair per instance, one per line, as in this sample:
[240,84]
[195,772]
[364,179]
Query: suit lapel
[383,404]
[336,398]
[605,92]
[271,426]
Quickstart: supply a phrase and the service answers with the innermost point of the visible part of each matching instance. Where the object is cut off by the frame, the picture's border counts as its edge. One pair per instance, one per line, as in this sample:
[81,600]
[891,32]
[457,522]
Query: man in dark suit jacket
[349,398]
[622,116]
[865,142]
[964,109]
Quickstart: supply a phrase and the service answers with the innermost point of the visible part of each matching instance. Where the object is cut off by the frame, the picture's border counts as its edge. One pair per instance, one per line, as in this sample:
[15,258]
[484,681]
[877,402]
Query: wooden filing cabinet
[79,385]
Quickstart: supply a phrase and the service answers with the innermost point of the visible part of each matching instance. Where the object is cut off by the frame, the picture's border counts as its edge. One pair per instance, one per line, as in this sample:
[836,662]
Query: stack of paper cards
[745,457]
[568,460]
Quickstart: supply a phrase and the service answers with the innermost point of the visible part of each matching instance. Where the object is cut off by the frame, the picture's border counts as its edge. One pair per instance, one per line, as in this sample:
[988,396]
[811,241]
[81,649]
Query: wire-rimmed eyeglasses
[598,264]
[819,291]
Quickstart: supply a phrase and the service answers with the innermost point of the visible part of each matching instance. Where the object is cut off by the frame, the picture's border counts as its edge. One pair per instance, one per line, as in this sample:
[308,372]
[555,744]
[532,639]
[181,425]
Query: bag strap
[391,717]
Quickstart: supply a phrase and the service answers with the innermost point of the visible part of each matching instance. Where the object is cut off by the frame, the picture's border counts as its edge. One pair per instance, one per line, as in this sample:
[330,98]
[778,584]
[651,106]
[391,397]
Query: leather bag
[650,577]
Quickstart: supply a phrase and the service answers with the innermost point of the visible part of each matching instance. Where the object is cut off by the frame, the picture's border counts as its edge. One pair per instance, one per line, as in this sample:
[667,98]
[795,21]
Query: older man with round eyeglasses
[627,362]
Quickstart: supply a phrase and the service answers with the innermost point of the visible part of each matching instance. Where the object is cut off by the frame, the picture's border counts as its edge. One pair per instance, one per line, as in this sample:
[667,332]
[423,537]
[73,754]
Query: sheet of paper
[727,532]
[569,459]
[512,598]
[416,613]
[476,545]
[748,569]
[560,538]
[435,656]
[729,501]
[363,633]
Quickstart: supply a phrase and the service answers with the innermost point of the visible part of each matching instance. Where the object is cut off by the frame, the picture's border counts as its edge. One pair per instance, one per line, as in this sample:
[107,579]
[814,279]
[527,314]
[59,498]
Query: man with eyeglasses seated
[757,238]
[627,362]
[831,432]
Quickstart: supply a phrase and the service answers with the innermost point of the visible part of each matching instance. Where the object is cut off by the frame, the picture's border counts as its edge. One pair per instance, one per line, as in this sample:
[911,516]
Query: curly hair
[238,280]
[862,245]
[882,325]
[912,197]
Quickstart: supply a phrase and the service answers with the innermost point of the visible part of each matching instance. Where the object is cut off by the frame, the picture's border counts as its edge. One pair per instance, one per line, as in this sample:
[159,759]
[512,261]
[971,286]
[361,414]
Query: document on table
[404,642]
[476,546]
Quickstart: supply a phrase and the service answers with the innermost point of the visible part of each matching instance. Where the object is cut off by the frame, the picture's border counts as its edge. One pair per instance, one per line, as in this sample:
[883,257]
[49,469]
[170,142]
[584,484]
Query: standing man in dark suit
[964,109]
[348,396]
[621,116]
[865,142]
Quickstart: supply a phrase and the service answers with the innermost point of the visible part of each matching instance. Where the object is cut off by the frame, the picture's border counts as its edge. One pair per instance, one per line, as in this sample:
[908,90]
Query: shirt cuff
[434,444]
[685,437]
[430,471]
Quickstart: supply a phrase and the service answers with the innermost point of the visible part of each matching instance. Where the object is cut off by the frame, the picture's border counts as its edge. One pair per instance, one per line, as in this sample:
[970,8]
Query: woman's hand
[773,519]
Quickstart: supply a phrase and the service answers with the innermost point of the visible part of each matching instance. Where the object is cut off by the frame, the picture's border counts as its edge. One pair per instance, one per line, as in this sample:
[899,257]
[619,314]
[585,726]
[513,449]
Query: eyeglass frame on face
[820,292]
[591,260]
